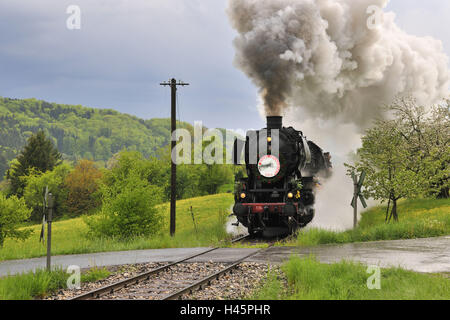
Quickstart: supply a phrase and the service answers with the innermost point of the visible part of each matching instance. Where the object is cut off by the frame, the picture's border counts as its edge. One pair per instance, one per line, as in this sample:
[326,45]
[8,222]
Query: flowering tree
[385,159]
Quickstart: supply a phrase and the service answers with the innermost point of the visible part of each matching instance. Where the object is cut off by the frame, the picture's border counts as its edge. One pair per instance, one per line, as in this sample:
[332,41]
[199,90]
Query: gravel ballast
[239,284]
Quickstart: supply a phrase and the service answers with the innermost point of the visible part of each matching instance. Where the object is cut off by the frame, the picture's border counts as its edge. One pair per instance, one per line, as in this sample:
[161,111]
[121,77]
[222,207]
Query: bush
[128,212]
[35,186]
[212,177]
[12,212]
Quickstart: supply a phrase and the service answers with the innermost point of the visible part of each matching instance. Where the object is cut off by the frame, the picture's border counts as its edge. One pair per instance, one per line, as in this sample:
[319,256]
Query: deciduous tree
[82,185]
[427,137]
[385,158]
[36,182]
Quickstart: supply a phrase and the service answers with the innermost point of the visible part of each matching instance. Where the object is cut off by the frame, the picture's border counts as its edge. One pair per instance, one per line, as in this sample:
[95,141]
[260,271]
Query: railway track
[139,285]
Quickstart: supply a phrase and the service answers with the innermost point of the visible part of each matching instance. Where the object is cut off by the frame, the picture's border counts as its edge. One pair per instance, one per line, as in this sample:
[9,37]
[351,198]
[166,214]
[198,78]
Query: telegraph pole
[173,177]
[50,205]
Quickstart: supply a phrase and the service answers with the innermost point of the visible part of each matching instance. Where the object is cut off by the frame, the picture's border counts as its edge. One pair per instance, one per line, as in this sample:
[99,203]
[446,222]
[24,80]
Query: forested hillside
[78,132]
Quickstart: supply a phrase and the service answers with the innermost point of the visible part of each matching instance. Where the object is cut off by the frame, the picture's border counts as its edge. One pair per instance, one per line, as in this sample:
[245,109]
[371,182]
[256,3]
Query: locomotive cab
[275,199]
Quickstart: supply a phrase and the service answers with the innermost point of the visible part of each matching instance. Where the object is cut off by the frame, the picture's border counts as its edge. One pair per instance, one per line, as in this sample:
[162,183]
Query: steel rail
[207,280]
[109,289]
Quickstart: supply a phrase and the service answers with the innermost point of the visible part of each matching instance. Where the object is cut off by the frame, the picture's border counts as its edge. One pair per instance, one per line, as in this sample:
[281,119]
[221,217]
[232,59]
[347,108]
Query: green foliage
[427,138]
[69,236]
[129,201]
[436,167]
[214,176]
[36,183]
[39,155]
[12,212]
[83,189]
[127,162]
[308,279]
[95,274]
[385,159]
[28,286]
[100,135]
[192,180]
[38,284]
[78,132]
[408,156]
[3,162]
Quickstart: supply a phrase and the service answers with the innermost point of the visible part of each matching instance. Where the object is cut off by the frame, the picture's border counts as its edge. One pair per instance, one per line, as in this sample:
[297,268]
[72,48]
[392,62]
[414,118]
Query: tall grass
[420,218]
[30,285]
[95,274]
[307,279]
[38,284]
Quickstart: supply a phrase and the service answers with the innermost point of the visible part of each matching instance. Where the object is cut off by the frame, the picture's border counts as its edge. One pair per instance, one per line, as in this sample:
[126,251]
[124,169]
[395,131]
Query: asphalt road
[431,255]
[421,255]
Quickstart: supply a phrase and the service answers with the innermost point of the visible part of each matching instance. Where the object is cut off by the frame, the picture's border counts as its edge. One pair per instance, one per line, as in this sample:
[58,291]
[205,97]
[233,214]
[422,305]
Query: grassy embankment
[307,279]
[420,218]
[69,236]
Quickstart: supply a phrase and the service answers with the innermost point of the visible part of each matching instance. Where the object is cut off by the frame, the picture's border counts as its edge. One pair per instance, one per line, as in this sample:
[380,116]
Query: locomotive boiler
[283,170]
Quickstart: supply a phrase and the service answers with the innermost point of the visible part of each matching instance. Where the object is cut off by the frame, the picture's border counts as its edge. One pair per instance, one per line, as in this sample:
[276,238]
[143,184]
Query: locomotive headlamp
[290,195]
[243,195]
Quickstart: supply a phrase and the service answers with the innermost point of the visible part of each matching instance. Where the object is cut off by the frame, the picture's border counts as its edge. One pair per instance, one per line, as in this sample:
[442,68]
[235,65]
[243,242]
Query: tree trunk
[394,210]
[387,210]
[1,237]
[444,193]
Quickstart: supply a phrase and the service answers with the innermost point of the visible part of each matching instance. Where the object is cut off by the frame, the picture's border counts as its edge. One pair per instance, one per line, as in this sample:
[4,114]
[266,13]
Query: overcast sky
[126,48]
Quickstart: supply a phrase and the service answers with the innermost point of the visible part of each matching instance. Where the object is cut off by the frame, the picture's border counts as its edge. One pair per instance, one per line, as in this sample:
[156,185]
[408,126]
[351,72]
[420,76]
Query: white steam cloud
[328,67]
[333,59]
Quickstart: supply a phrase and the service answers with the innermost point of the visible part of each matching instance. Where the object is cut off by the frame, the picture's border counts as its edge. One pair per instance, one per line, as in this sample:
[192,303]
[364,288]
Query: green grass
[69,236]
[31,285]
[307,279]
[95,274]
[420,218]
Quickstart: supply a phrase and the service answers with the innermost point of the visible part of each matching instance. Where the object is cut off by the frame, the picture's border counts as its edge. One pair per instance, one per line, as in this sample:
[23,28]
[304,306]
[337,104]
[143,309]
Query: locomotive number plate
[269,166]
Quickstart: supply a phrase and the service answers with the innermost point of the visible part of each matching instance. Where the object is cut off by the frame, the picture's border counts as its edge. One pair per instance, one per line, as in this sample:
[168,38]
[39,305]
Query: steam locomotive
[283,170]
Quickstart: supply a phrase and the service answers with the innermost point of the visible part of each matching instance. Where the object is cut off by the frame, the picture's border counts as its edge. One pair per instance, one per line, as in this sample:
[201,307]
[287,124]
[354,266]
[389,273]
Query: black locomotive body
[283,169]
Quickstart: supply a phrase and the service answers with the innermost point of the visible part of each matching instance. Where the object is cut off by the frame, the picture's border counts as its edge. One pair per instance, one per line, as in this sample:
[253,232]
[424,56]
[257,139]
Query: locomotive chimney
[274,122]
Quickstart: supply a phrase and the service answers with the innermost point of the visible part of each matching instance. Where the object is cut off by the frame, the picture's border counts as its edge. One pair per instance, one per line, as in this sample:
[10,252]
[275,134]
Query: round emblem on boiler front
[269,166]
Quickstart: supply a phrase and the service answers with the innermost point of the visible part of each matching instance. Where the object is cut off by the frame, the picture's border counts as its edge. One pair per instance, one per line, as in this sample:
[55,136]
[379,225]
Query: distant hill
[77,132]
